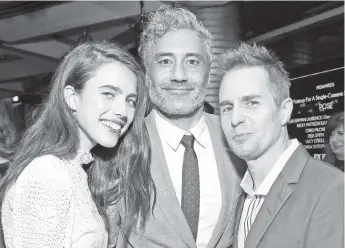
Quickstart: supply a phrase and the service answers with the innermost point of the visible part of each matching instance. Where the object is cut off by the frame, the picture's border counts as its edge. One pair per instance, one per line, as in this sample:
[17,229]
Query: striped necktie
[250,216]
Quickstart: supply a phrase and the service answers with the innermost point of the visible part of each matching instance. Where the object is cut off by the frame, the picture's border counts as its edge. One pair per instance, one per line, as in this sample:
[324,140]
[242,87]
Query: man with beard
[197,185]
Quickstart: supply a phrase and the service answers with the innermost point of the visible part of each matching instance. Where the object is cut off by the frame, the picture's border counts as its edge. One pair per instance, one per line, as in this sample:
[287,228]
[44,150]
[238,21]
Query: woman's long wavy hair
[125,168]
[8,130]
[336,120]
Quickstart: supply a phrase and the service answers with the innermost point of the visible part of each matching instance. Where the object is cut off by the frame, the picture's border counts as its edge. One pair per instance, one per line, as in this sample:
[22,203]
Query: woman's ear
[70,97]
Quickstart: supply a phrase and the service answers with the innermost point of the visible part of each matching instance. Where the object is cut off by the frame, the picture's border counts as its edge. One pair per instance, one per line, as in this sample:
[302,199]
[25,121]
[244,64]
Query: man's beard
[176,105]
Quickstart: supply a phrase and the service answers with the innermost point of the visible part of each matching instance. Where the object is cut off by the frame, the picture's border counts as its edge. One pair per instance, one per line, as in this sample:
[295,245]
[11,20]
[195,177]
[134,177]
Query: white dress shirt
[255,198]
[210,192]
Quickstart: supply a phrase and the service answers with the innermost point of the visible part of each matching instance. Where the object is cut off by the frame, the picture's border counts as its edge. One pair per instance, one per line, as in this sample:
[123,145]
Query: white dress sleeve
[42,205]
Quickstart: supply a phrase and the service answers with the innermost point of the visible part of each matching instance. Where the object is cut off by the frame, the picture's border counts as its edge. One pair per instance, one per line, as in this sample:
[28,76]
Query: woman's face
[336,142]
[105,107]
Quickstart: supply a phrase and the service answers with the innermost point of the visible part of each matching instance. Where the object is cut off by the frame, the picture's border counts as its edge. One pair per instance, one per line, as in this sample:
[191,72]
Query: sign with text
[316,96]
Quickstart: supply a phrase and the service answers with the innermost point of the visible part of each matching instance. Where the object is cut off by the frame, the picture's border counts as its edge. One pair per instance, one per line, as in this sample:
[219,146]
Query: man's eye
[226,109]
[253,103]
[165,62]
[108,94]
[193,62]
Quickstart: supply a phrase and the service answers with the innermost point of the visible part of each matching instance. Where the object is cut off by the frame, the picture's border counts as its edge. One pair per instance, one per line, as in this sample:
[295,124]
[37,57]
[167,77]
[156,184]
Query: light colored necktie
[249,217]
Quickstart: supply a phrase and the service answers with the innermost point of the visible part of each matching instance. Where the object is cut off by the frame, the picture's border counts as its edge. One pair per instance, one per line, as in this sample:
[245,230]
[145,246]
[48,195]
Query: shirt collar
[198,131]
[83,156]
[247,183]
[172,135]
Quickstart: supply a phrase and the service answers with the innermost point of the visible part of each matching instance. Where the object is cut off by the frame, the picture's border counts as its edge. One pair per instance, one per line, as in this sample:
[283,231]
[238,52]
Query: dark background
[304,82]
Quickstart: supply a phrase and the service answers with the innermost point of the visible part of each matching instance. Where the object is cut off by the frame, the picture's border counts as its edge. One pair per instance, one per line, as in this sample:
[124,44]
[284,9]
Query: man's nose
[179,73]
[237,116]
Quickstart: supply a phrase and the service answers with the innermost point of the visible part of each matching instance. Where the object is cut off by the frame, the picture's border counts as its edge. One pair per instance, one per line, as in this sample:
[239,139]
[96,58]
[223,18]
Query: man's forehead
[182,39]
[236,89]
[246,78]
[177,48]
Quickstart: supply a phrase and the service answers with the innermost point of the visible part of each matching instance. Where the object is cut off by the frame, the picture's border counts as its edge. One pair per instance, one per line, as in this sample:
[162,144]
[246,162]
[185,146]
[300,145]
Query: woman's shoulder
[46,168]
[45,177]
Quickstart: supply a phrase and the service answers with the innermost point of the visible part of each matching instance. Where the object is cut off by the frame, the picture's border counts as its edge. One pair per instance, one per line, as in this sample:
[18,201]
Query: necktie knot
[188,141]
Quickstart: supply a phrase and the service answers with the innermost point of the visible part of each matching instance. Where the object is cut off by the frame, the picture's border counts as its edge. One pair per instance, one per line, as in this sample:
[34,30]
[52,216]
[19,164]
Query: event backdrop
[317,92]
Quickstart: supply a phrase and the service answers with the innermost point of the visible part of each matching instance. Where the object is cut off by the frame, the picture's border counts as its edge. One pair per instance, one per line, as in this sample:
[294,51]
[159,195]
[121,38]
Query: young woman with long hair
[334,140]
[94,113]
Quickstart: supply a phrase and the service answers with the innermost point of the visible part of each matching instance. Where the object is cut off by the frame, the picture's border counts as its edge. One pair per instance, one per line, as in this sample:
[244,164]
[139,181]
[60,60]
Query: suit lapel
[275,199]
[229,182]
[238,214]
[277,196]
[166,196]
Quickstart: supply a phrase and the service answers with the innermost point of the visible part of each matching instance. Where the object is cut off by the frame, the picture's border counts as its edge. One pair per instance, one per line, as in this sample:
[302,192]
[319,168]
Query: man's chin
[169,110]
[245,154]
[174,110]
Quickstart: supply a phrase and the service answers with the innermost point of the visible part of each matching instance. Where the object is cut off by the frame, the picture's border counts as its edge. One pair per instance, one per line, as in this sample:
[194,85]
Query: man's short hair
[246,55]
[167,19]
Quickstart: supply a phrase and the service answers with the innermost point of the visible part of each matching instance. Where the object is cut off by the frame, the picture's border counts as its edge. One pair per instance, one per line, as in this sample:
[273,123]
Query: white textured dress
[50,205]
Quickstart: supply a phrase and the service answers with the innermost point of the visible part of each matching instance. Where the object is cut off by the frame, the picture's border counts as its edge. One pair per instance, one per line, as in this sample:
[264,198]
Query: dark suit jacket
[168,226]
[304,207]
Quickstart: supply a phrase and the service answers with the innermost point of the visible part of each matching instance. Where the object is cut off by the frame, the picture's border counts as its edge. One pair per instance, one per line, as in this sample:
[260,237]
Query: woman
[47,198]
[334,137]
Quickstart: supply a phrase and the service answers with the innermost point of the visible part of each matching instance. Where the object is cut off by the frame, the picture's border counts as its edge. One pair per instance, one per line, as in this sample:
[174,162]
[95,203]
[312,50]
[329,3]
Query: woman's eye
[340,133]
[132,103]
